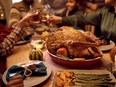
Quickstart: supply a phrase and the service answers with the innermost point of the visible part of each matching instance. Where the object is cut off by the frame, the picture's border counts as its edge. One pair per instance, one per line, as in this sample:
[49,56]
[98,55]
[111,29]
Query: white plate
[107,47]
[32,81]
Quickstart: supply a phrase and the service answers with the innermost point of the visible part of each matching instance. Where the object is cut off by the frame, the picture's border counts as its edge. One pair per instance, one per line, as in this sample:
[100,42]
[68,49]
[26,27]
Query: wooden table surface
[21,53]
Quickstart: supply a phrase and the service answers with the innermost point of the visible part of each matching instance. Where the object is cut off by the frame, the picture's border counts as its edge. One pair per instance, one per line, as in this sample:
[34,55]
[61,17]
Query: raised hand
[55,19]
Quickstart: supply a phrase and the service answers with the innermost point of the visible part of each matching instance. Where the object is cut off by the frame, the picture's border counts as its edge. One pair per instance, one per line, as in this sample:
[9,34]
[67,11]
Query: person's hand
[92,6]
[25,21]
[16,81]
[14,25]
[55,19]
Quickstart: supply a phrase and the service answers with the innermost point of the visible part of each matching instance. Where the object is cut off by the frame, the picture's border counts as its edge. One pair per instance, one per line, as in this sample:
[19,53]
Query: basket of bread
[73,48]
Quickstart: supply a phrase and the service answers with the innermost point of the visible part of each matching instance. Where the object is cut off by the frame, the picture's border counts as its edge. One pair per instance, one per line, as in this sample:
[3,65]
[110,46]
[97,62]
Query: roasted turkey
[78,44]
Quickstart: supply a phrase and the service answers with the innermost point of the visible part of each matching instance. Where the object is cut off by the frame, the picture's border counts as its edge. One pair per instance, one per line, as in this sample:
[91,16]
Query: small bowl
[75,63]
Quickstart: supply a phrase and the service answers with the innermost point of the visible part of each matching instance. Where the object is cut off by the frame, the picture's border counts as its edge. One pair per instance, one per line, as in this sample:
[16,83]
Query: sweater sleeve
[14,15]
[10,41]
[93,18]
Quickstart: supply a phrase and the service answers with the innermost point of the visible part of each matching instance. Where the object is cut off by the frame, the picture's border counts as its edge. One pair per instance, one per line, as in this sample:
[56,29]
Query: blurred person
[56,7]
[91,5]
[20,9]
[88,6]
[72,8]
[7,43]
[8,39]
[104,18]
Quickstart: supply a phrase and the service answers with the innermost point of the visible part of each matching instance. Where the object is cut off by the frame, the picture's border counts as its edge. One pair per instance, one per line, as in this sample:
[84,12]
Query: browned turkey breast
[76,43]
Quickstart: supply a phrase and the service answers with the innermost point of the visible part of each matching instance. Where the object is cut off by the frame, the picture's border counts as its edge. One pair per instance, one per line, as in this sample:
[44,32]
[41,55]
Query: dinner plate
[107,47]
[32,80]
[81,73]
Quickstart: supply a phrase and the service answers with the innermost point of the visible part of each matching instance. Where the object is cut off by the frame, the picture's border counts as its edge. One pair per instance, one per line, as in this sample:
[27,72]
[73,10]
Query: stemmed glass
[43,17]
[52,27]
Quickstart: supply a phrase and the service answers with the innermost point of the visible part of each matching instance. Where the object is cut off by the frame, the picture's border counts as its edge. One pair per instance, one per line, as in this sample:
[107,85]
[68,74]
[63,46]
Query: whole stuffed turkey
[77,44]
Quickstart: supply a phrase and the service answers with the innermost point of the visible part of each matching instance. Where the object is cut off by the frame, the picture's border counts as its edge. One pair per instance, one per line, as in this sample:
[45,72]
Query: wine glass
[43,18]
[35,19]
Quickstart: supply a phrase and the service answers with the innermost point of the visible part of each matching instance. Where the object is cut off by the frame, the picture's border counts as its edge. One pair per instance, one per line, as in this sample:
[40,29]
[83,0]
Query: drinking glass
[43,16]
[34,19]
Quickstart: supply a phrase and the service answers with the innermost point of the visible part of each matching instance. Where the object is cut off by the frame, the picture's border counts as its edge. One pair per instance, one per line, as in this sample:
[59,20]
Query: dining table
[20,53]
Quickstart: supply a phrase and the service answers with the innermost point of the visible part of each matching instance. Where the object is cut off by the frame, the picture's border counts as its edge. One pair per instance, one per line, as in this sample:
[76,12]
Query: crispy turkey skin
[76,43]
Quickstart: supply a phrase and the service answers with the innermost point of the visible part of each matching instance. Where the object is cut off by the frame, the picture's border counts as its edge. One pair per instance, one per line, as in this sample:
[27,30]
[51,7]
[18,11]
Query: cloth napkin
[39,70]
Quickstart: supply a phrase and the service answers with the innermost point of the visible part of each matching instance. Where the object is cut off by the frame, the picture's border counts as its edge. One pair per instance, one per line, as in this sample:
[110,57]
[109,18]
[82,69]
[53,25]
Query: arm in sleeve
[9,42]
[93,18]
[14,15]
